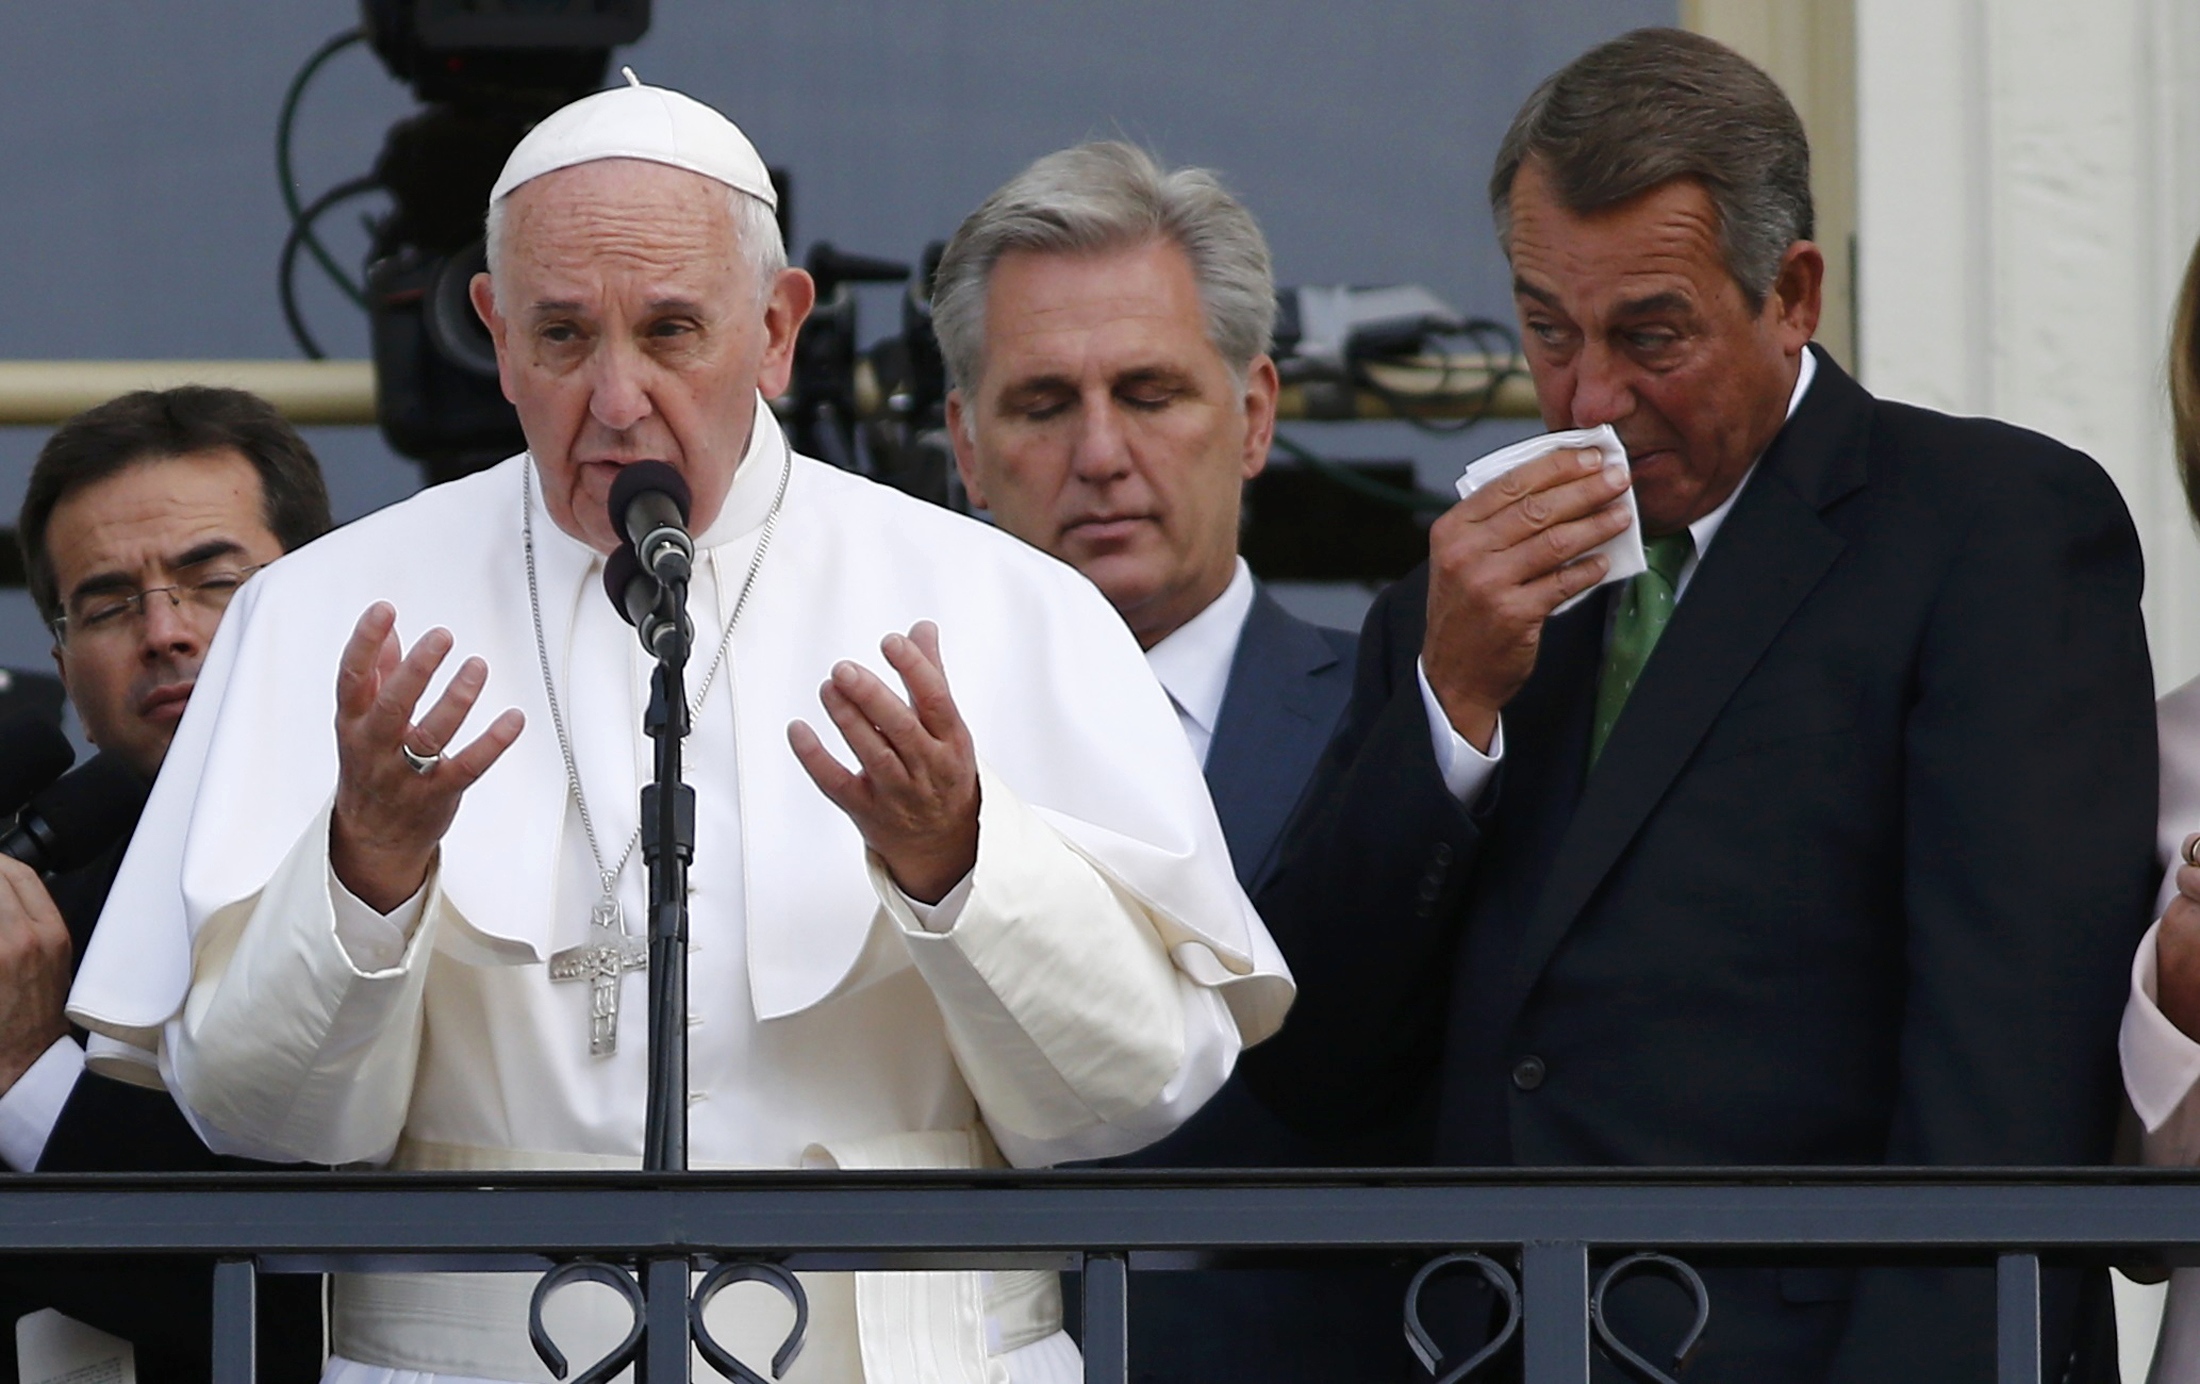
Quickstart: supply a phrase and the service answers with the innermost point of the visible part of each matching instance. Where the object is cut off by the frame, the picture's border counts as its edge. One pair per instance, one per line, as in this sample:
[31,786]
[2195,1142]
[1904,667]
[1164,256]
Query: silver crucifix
[607,954]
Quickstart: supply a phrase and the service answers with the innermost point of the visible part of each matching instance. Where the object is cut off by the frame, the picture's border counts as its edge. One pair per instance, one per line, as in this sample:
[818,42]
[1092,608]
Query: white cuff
[374,942]
[939,917]
[1466,770]
[2160,1063]
[124,1062]
[32,1106]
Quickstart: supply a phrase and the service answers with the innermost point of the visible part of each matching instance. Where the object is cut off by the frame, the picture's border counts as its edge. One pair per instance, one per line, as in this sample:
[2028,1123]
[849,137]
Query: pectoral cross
[607,954]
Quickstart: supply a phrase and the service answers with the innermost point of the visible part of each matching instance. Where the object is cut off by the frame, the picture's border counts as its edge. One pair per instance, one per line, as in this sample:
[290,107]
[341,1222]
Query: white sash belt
[865,1328]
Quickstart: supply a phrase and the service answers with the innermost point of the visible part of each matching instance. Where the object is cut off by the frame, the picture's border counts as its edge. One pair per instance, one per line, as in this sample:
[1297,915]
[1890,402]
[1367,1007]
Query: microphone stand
[668,846]
[670,1320]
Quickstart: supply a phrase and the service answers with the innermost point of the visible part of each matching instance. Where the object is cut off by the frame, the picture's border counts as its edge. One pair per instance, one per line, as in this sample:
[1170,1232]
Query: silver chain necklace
[610,949]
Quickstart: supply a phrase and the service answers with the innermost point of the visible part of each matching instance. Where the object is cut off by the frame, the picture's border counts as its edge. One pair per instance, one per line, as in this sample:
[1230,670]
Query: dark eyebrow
[1654,304]
[1641,307]
[1153,374]
[196,555]
[212,548]
[1523,289]
[552,305]
[98,582]
[1032,385]
[1037,384]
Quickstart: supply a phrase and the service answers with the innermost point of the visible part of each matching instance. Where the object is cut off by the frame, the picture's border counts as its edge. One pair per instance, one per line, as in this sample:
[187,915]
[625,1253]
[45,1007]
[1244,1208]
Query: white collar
[755,481]
[1193,662]
[1705,528]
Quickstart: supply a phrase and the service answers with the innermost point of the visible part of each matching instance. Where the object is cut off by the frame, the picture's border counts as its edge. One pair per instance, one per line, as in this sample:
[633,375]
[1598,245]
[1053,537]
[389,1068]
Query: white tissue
[1623,551]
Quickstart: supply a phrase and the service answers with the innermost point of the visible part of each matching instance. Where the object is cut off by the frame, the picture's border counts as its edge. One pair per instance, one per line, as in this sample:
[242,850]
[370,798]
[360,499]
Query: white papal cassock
[1085,989]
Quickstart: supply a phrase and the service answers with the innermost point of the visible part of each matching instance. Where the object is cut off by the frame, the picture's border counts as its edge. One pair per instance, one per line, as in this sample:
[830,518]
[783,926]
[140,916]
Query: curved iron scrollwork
[748,1271]
[624,1354]
[1424,1346]
[591,1271]
[1621,1354]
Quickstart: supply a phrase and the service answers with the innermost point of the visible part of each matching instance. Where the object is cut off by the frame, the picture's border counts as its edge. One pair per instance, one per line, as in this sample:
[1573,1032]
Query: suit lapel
[1269,731]
[1769,555]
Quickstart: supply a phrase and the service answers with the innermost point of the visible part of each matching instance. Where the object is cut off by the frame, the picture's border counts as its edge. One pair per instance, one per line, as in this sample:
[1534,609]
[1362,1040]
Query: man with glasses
[142,518]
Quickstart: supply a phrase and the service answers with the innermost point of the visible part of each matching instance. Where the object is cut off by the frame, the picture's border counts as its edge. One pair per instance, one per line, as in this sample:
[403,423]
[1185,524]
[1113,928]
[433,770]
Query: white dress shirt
[1193,662]
[1467,770]
[32,1106]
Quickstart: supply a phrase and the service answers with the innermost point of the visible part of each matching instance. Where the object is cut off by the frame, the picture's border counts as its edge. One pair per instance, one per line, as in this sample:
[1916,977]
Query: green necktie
[1643,613]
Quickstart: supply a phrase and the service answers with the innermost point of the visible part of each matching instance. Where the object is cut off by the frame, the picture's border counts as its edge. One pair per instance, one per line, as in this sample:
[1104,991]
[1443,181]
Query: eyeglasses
[118,614]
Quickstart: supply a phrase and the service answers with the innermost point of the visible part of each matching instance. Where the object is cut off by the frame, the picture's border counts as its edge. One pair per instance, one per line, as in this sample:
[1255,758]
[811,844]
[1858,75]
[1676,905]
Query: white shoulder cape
[1057,695]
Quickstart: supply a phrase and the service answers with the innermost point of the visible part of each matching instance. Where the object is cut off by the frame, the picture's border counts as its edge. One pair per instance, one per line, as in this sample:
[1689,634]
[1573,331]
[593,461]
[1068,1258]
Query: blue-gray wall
[142,217]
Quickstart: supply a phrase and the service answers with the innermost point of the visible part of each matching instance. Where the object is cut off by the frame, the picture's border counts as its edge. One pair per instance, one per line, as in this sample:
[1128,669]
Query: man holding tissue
[1823,840]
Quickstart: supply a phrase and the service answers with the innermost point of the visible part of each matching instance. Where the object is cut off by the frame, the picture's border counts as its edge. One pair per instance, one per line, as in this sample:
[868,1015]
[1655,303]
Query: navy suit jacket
[1289,684]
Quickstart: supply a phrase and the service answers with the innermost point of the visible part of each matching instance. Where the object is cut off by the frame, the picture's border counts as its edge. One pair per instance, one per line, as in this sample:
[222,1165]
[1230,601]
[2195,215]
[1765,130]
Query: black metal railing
[1533,1236]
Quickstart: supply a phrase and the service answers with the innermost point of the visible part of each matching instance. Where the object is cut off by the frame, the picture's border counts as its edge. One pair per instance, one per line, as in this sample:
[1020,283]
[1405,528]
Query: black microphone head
[640,477]
[33,753]
[87,810]
[632,590]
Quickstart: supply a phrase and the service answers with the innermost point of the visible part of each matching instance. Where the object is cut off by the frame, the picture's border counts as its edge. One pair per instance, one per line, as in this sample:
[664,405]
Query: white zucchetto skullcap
[639,122]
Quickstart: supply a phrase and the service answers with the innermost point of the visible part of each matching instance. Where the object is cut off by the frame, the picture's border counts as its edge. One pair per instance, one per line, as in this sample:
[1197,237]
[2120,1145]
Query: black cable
[1416,499]
[301,231]
[287,181]
[1481,331]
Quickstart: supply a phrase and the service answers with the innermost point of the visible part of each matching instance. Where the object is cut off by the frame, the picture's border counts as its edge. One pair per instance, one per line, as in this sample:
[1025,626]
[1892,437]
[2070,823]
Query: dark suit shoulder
[1405,599]
[1390,636]
[1987,468]
[1319,657]
[1272,635]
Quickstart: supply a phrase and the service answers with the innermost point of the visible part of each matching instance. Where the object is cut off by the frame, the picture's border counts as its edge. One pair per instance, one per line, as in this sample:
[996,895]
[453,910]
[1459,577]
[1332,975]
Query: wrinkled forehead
[159,510]
[618,218]
[1664,239]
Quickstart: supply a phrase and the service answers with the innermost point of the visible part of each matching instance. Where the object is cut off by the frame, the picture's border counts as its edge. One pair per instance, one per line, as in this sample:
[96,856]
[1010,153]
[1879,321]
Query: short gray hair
[1103,196]
[1659,104]
[755,230]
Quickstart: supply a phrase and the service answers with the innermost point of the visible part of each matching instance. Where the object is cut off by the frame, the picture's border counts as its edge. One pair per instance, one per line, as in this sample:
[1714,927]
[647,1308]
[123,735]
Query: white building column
[2028,189]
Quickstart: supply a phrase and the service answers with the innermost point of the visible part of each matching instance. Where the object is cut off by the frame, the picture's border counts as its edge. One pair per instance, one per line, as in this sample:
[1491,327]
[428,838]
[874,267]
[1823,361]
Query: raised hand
[34,970]
[389,816]
[1499,562]
[915,796]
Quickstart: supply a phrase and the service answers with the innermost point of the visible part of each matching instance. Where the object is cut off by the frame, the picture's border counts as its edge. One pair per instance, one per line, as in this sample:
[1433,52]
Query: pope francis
[987,916]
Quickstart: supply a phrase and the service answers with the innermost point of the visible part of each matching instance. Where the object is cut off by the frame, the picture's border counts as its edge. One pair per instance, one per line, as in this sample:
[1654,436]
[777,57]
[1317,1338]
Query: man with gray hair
[1823,841]
[1105,326]
[365,922]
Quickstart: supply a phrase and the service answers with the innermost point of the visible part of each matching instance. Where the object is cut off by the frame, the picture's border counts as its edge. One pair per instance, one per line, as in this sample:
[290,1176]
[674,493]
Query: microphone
[33,753]
[649,505]
[633,592]
[639,599]
[82,813]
